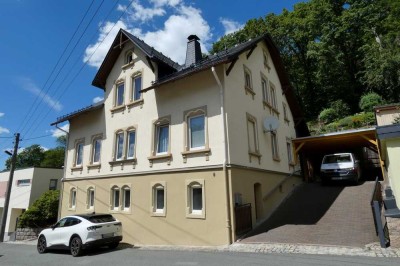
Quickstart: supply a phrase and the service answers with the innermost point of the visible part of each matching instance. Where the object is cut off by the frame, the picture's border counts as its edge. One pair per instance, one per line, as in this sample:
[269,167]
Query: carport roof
[342,140]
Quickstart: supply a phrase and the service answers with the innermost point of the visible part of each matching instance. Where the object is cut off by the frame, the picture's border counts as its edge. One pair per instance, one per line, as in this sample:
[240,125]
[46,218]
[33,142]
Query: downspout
[224,169]
[64,172]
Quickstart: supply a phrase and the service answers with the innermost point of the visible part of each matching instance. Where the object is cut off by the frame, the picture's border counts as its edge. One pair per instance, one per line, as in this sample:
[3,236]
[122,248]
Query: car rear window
[338,158]
[101,219]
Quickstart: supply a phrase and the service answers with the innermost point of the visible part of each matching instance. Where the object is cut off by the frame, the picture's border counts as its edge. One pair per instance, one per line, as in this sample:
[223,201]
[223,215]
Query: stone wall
[27,233]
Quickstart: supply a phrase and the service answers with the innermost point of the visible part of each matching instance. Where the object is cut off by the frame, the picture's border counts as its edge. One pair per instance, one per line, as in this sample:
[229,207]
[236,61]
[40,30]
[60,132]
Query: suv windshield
[337,158]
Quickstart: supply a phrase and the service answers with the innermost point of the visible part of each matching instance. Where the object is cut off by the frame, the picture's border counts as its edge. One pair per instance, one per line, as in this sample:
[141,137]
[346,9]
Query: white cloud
[170,39]
[4,130]
[95,53]
[58,133]
[230,26]
[1,114]
[30,86]
[138,12]
[97,99]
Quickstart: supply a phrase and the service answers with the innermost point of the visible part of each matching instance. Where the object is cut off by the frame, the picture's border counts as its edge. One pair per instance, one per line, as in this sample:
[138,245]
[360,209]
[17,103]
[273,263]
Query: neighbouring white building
[28,185]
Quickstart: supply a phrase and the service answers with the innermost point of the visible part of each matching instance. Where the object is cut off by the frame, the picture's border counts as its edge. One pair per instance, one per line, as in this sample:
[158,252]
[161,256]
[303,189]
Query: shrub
[327,115]
[43,211]
[341,108]
[369,100]
[332,127]
[346,122]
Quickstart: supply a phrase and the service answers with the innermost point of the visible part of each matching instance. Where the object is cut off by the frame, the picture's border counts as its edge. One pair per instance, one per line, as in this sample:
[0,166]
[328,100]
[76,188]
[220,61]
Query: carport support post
[9,186]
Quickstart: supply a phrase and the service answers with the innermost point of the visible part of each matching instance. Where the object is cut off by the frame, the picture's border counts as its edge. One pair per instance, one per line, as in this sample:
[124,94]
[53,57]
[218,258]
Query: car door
[53,236]
[69,228]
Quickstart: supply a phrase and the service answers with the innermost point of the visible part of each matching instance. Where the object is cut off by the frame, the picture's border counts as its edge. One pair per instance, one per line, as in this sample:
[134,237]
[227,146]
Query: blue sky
[34,38]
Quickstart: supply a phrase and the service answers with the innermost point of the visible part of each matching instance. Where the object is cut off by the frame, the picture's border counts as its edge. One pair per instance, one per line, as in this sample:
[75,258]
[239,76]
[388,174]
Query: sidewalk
[371,250]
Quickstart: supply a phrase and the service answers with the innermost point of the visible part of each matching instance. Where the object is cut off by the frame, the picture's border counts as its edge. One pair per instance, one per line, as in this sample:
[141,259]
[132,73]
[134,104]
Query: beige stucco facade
[225,168]
[28,185]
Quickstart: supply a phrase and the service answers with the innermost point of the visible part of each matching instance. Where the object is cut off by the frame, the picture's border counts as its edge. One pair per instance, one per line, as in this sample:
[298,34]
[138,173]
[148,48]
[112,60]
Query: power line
[62,67]
[29,113]
[85,63]
[48,135]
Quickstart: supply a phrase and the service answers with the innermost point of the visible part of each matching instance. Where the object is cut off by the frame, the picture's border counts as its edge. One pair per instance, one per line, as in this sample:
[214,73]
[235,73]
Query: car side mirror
[54,226]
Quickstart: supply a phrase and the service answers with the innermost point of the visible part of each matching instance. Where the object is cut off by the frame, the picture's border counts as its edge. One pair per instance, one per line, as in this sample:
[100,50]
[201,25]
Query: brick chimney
[193,52]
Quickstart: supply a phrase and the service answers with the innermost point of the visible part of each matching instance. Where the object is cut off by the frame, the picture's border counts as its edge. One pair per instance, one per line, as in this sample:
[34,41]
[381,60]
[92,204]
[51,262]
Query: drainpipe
[64,172]
[224,169]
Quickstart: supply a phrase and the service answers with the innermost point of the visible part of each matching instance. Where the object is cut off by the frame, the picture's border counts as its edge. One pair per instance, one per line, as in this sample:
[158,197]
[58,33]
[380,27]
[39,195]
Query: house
[180,153]
[388,134]
[28,185]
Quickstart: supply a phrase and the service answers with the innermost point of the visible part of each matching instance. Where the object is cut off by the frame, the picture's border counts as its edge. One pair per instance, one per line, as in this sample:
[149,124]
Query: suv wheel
[76,246]
[41,245]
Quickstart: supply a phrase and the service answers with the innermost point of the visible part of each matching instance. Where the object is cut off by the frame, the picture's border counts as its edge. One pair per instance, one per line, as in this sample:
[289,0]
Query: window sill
[255,154]
[205,152]
[249,90]
[93,166]
[128,65]
[292,164]
[117,108]
[167,156]
[72,209]
[286,120]
[275,110]
[271,107]
[135,103]
[267,67]
[124,161]
[196,216]
[77,168]
[158,214]
[275,158]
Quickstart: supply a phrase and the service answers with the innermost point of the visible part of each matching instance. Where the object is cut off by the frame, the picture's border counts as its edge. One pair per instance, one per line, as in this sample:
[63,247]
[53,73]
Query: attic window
[129,57]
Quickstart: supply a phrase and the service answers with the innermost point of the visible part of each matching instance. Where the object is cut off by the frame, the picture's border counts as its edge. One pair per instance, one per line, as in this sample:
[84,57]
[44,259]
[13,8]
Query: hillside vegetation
[335,52]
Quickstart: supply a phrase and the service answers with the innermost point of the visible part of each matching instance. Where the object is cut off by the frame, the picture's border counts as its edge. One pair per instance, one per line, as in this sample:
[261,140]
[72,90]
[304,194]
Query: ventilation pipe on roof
[225,137]
[193,51]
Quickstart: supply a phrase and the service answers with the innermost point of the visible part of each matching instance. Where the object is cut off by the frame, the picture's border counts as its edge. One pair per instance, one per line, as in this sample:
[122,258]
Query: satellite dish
[270,124]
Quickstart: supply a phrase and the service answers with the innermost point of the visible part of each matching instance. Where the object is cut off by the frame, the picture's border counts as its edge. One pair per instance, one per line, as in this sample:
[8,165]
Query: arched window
[126,198]
[90,198]
[72,198]
[195,199]
[129,57]
[115,198]
[159,199]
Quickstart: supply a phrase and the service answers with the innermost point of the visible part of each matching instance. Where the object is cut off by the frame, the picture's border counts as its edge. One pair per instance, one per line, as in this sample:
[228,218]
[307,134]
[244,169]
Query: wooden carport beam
[370,140]
[296,151]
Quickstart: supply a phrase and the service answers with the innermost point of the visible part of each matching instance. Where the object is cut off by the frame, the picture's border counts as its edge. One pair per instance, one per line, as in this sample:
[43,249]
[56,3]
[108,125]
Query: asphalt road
[15,255]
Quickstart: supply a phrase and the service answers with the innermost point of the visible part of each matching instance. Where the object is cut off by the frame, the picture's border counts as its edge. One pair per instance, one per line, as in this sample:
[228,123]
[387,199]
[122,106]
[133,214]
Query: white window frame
[155,186]
[90,197]
[272,89]
[275,146]
[96,139]
[72,198]
[248,83]
[289,149]
[133,87]
[124,190]
[79,146]
[190,212]
[190,132]
[116,149]
[128,138]
[128,55]
[256,151]
[113,191]
[117,91]
[157,138]
[265,89]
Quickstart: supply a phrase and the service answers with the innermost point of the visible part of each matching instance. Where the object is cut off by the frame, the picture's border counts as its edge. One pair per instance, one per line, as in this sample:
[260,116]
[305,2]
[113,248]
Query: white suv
[340,166]
[79,232]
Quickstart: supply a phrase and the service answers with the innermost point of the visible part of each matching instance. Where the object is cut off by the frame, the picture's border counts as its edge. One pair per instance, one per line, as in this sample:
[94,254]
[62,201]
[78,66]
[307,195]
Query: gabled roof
[112,55]
[232,54]
[86,109]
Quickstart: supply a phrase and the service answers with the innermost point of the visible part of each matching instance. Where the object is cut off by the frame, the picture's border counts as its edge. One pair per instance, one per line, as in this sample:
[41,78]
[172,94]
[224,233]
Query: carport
[361,142]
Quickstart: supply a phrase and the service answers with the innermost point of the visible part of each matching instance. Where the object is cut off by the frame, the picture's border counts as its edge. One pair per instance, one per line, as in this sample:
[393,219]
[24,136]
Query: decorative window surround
[73,192]
[126,199]
[115,199]
[156,188]
[193,208]
[285,114]
[94,141]
[248,83]
[90,198]
[252,137]
[289,149]
[79,148]
[275,147]
[155,155]
[188,150]
[265,60]
[125,149]
[118,107]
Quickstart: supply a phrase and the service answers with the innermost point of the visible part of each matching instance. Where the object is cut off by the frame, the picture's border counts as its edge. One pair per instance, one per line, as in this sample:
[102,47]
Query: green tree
[43,211]
[53,158]
[31,156]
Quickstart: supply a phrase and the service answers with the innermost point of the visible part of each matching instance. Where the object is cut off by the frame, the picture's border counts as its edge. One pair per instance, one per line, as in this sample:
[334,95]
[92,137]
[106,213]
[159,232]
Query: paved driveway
[325,215]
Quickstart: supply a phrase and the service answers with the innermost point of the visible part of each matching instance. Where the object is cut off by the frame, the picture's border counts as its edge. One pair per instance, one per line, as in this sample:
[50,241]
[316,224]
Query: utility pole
[9,186]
